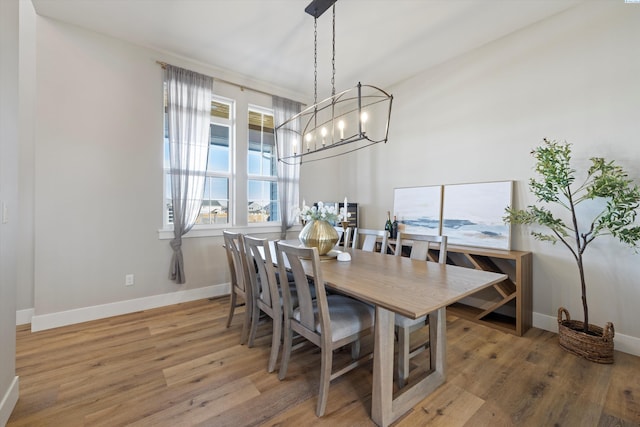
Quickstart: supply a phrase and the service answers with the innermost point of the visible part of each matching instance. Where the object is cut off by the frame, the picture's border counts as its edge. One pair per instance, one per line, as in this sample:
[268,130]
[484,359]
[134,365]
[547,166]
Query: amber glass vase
[319,234]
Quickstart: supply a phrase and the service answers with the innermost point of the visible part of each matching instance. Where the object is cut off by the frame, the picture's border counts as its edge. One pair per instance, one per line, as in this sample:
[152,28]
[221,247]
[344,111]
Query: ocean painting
[472,214]
[418,209]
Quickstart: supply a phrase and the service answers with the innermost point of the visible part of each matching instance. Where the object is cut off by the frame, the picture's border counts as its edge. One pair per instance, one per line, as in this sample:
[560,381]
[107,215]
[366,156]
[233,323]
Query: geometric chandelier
[351,120]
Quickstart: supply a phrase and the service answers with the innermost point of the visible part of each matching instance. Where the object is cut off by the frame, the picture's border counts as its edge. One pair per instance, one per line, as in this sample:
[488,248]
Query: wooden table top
[409,287]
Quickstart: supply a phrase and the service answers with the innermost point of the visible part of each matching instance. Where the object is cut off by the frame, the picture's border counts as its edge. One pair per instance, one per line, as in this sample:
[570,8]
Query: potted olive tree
[557,186]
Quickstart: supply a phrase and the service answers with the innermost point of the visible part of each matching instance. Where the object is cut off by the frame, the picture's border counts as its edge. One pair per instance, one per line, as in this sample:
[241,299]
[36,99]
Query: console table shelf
[507,305]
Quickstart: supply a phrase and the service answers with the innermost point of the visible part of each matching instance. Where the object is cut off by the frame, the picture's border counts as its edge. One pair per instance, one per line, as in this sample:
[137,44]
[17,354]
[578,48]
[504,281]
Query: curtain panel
[288,175]
[188,115]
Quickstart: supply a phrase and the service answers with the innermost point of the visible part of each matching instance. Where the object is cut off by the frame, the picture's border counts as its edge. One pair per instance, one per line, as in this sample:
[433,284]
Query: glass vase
[319,234]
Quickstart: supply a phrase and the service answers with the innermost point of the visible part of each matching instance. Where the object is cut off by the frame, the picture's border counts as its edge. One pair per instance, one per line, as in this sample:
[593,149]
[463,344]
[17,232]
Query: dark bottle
[388,226]
[394,228]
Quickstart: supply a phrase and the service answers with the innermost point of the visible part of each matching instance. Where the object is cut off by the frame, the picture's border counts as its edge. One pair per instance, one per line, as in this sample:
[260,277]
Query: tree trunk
[583,285]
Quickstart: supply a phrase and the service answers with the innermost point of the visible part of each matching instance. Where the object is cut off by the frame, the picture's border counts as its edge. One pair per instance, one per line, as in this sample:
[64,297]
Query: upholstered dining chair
[404,325]
[371,238]
[234,245]
[330,321]
[266,292]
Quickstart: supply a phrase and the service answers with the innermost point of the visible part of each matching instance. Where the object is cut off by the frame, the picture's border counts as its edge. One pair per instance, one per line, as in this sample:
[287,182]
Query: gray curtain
[288,175]
[189,112]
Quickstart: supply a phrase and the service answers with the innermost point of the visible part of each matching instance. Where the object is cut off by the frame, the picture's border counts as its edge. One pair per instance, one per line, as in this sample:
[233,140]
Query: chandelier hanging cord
[340,123]
[315,73]
[333,56]
[315,60]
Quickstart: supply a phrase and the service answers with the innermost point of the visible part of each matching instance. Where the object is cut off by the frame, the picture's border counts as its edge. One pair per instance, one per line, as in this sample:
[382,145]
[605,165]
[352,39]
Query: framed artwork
[418,209]
[472,214]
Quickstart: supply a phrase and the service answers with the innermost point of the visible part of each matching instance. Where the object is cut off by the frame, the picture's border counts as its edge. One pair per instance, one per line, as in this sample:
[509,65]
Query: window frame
[261,176]
[239,178]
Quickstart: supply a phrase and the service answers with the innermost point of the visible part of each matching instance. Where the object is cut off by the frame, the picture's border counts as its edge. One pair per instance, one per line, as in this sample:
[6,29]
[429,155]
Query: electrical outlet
[129,280]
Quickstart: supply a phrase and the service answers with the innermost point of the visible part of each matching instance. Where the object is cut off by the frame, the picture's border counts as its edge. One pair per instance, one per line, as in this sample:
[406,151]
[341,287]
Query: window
[241,186]
[215,201]
[261,168]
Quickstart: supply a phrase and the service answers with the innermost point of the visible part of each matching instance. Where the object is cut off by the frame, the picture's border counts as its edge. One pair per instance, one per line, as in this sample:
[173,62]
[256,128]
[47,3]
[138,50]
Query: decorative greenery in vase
[327,213]
[557,185]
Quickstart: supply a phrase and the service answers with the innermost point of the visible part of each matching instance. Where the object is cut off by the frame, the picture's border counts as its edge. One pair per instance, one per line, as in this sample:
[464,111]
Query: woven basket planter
[597,346]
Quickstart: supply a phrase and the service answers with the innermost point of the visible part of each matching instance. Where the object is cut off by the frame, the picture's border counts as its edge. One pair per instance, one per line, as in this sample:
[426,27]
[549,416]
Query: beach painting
[472,214]
[418,209]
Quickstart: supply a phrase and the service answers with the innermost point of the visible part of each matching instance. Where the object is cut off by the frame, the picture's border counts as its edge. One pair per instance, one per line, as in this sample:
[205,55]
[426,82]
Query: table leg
[382,393]
[384,408]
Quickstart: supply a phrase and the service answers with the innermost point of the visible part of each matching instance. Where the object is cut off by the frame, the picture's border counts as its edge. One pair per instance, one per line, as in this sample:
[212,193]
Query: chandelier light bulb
[307,138]
[341,127]
[363,119]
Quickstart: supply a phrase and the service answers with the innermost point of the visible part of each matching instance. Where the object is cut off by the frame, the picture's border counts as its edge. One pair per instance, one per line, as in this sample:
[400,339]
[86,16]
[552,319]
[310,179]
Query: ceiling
[378,42]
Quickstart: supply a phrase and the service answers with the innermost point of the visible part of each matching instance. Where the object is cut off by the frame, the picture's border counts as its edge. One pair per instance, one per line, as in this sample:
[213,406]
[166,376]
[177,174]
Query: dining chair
[340,231]
[329,322]
[371,238]
[405,326]
[266,292]
[234,245]
[348,238]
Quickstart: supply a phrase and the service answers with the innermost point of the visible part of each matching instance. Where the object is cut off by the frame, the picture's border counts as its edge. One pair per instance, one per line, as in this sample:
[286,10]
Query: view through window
[218,204]
[261,168]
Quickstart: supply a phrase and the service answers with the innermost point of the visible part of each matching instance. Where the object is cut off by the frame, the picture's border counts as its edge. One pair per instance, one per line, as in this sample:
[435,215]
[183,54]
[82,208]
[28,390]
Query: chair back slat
[297,258]
[347,238]
[234,244]
[371,238]
[263,276]
[421,245]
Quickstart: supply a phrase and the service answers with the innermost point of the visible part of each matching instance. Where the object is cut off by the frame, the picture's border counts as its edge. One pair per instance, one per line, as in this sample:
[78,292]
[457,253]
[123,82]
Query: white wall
[97,168]
[26,120]
[574,77]
[8,199]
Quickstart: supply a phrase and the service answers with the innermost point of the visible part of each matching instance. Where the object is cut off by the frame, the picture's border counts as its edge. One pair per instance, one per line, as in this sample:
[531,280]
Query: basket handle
[562,311]
[609,332]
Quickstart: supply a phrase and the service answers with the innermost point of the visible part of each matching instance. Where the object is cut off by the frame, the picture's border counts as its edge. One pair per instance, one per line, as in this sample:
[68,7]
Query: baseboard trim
[624,343]
[9,401]
[85,314]
[23,317]
[621,342]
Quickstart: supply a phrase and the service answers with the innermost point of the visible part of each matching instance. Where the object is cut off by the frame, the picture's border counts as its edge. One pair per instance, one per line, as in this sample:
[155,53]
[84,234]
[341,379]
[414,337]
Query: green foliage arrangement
[557,185]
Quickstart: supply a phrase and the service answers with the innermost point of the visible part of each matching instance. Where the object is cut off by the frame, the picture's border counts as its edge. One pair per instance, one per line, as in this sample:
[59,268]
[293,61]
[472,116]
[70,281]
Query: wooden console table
[507,305]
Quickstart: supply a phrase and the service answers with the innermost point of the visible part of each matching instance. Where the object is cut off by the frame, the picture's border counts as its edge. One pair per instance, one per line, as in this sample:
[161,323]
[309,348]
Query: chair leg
[355,350]
[286,350]
[404,338]
[276,339]
[255,319]
[325,380]
[433,341]
[232,307]
[248,308]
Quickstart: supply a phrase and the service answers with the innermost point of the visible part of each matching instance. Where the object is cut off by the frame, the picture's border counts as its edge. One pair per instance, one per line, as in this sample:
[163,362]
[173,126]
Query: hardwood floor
[180,366]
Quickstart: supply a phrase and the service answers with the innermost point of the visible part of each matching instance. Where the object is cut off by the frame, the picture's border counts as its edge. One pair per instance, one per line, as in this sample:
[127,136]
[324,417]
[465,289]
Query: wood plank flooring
[180,366]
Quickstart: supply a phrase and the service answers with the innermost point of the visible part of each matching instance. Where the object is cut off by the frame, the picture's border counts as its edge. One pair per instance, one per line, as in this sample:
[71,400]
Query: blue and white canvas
[418,209]
[472,214]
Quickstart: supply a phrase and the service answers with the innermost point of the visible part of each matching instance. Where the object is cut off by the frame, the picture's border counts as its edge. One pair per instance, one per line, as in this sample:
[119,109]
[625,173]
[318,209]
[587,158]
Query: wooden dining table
[412,288]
